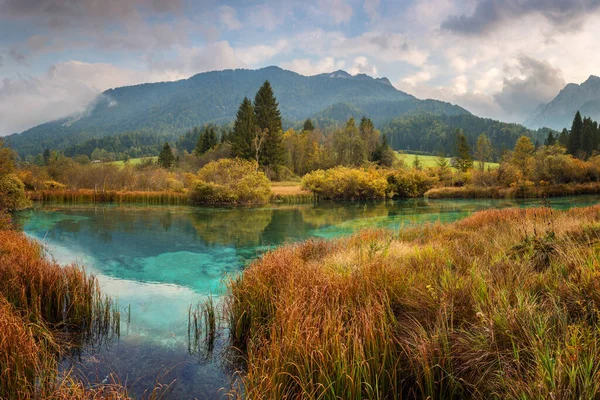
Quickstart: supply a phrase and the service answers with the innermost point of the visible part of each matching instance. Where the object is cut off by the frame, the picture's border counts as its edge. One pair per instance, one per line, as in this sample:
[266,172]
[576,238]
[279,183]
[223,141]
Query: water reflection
[159,260]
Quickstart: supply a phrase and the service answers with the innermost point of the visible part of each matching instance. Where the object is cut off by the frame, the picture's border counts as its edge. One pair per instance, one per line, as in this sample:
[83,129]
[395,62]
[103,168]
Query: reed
[87,196]
[203,328]
[497,192]
[503,304]
[45,311]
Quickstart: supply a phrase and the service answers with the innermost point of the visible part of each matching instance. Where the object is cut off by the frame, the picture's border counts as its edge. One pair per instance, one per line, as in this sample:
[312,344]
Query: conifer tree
[483,150]
[464,161]
[166,157]
[575,136]
[244,131]
[550,140]
[563,138]
[308,126]
[268,120]
[206,141]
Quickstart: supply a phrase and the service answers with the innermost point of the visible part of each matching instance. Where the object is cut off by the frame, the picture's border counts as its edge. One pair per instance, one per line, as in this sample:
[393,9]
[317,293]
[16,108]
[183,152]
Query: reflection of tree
[238,227]
[338,213]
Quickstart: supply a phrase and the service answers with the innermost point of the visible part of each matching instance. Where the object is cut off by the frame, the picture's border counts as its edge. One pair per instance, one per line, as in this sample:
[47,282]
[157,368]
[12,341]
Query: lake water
[159,260]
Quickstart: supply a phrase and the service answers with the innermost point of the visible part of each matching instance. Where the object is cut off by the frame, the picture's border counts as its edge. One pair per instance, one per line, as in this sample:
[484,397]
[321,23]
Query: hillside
[558,114]
[437,133]
[169,108]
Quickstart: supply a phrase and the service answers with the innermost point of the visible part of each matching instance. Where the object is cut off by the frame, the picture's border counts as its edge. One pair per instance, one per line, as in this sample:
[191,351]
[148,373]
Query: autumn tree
[483,150]
[522,154]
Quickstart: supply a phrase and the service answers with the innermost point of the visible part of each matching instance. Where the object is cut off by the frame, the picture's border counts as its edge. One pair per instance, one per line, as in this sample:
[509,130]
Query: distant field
[430,161]
[134,161]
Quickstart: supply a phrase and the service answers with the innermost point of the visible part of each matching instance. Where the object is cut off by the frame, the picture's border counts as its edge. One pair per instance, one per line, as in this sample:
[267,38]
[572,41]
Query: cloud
[491,14]
[65,88]
[339,10]
[192,60]
[262,16]
[229,18]
[537,82]
[17,56]
[255,55]
[63,13]
[307,67]
[361,65]
[371,7]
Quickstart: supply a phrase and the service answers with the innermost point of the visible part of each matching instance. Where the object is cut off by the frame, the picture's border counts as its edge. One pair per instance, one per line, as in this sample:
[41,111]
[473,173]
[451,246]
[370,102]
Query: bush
[230,181]
[343,183]
[411,183]
[12,193]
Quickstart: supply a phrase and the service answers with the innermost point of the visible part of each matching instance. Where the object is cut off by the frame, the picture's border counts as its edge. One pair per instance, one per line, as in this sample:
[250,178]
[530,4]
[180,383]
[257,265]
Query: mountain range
[171,108]
[559,113]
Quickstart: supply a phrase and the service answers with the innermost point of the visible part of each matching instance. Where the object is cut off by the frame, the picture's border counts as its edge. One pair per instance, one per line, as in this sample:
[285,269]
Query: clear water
[159,260]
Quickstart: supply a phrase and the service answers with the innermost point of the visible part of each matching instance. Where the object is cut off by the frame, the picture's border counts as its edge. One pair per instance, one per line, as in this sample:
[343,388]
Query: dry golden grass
[503,304]
[46,309]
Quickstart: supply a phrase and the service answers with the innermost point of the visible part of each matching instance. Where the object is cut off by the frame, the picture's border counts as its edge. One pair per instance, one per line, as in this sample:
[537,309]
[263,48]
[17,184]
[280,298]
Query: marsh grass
[47,311]
[503,304]
[497,192]
[203,328]
[83,196]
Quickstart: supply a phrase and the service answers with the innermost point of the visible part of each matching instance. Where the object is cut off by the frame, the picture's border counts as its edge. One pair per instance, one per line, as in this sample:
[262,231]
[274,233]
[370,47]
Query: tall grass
[46,310]
[497,192]
[503,304]
[83,196]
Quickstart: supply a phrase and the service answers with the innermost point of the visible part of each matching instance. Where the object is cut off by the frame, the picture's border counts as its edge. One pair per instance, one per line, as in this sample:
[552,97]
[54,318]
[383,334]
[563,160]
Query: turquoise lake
[157,261]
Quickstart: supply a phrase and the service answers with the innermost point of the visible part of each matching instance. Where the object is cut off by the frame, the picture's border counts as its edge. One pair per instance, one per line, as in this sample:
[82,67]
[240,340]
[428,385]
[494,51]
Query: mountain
[559,113]
[171,108]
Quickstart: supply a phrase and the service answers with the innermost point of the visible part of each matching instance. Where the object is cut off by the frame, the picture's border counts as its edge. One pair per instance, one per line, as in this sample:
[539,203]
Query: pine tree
[206,141]
[464,161]
[563,138]
[244,131]
[384,155]
[308,126]
[268,120]
[166,157]
[550,140]
[575,136]
[417,163]
[369,135]
[587,136]
[47,157]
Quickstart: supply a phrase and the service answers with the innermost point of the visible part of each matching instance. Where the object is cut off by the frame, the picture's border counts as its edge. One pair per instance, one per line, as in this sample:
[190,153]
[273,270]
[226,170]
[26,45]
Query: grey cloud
[17,56]
[62,13]
[1,61]
[490,14]
[540,84]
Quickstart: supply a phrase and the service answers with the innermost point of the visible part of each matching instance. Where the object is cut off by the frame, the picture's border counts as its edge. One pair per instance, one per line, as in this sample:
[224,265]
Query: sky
[497,58]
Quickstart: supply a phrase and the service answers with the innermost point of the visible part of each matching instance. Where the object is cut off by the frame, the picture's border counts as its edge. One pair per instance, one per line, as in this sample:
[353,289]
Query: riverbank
[502,304]
[496,192]
[45,311]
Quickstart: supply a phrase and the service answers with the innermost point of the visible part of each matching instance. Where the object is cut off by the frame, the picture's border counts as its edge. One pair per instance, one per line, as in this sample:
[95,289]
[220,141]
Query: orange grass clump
[503,304]
[44,310]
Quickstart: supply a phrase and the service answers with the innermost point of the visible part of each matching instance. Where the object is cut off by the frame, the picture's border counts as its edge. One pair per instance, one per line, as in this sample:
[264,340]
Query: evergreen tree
[369,135]
[268,120]
[384,155]
[244,131]
[464,161]
[483,150]
[563,138]
[417,163]
[550,140]
[587,136]
[308,126]
[47,157]
[206,141]
[575,136]
[166,157]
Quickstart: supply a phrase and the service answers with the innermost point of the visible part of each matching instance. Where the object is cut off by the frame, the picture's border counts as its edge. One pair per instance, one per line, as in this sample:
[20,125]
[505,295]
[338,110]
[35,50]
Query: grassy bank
[503,304]
[46,310]
[86,196]
[477,192]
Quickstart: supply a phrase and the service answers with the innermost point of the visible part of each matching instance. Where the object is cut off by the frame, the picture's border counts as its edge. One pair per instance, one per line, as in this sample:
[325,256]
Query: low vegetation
[45,311]
[433,311]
